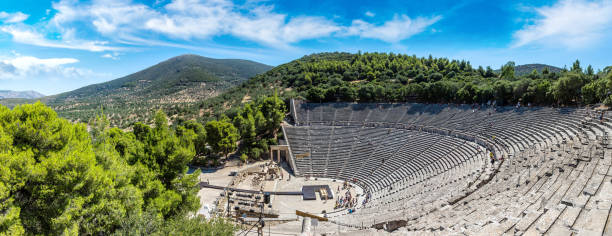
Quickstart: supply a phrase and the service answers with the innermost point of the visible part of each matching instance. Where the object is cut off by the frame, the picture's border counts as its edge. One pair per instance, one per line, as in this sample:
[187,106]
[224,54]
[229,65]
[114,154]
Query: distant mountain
[521,70]
[20,94]
[170,85]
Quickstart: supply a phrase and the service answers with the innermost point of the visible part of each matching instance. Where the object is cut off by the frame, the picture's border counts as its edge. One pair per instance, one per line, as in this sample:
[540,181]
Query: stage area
[288,193]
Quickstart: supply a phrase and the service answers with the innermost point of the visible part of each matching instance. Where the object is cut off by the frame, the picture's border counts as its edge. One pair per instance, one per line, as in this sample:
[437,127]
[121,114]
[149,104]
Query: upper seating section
[437,115]
[513,127]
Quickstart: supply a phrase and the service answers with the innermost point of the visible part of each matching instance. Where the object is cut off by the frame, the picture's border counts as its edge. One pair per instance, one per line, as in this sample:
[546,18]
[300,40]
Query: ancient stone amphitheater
[427,167]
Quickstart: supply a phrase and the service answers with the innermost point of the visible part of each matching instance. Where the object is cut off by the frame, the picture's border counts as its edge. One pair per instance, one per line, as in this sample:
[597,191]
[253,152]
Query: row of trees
[58,178]
[381,77]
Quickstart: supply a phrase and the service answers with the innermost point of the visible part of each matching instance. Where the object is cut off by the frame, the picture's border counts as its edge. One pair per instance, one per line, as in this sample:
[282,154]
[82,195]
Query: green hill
[189,87]
[382,77]
[521,70]
[170,85]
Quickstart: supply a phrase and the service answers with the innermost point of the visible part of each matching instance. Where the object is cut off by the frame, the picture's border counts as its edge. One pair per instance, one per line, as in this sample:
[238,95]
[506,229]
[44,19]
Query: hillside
[170,85]
[521,70]
[189,87]
[20,94]
[381,77]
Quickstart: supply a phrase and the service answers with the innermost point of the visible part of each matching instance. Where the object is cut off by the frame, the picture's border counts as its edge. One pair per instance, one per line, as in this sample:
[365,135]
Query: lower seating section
[429,165]
[375,158]
[563,189]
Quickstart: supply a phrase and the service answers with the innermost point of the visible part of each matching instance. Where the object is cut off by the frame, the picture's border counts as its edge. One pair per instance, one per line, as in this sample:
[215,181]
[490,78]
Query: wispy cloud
[393,31]
[369,14]
[183,21]
[13,17]
[113,55]
[28,67]
[25,35]
[187,19]
[569,23]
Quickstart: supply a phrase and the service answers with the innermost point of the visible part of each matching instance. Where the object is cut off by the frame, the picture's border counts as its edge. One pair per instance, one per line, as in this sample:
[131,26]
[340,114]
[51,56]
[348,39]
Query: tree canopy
[389,77]
[57,178]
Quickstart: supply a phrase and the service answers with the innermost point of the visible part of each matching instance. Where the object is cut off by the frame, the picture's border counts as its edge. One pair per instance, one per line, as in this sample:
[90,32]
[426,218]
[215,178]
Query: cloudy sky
[58,46]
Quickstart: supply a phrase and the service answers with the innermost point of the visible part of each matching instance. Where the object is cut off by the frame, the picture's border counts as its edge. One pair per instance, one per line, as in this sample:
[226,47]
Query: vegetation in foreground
[59,179]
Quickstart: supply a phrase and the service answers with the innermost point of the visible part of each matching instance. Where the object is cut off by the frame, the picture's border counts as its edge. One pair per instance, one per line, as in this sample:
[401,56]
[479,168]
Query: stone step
[548,219]
[527,221]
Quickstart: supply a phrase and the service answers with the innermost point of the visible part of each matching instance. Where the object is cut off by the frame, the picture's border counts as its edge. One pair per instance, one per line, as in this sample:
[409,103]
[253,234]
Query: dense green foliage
[221,136]
[257,131]
[380,77]
[245,129]
[57,178]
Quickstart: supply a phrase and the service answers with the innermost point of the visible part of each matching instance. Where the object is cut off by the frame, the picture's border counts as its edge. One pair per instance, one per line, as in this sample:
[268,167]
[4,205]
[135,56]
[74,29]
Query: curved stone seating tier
[374,157]
[563,191]
[429,164]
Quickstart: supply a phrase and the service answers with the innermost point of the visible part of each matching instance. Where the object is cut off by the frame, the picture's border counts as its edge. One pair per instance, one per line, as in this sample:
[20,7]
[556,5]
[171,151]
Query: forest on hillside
[382,77]
[336,77]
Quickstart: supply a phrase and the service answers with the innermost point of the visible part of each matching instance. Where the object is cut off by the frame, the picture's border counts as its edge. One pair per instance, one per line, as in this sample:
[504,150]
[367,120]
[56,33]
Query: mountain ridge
[167,85]
[29,94]
[525,69]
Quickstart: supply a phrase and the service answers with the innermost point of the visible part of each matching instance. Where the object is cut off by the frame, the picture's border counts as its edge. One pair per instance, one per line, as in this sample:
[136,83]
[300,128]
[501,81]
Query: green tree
[595,91]
[67,190]
[56,178]
[568,88]
[507,70]
[200,140]
[244,157]
[222,136]
[316,94]
[589,70]
[576,67]
[274,108]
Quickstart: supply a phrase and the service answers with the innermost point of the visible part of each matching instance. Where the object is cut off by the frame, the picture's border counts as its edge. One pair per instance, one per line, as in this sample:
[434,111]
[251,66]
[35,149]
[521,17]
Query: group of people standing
[346,201]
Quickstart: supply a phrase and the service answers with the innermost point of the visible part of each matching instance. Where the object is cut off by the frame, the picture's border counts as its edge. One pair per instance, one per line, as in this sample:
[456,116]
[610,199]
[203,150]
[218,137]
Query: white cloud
[393,31]
[124,22]
[113,56]
[189,19]
[197,19]
[570,23]
[28,36]
[272,29]
[29,67]
[13,17]
[369,14]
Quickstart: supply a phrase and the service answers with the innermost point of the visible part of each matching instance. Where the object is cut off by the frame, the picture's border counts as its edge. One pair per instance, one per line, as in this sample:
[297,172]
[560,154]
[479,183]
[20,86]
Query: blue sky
[58,46]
